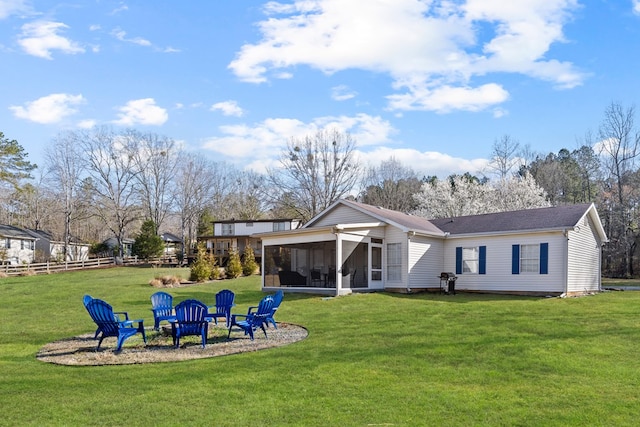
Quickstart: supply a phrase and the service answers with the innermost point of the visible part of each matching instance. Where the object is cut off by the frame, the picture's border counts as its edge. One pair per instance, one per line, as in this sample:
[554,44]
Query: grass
[370,359]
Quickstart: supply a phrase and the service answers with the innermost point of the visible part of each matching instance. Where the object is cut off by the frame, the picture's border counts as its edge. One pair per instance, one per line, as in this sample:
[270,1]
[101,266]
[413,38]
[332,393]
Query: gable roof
[403,221]
[15,232]
[539,219]
[170,238]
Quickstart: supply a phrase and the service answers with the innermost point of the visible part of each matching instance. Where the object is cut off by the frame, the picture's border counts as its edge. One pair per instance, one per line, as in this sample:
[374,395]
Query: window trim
[394,262]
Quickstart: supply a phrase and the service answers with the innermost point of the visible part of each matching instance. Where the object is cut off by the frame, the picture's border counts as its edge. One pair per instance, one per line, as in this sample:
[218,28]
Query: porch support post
[338,263]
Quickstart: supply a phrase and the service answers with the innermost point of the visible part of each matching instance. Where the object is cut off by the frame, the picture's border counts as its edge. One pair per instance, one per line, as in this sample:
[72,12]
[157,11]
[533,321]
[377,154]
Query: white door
[375,261]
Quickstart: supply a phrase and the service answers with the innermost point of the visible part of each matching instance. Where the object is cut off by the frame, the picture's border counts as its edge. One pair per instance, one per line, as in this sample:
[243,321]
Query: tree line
[103,182]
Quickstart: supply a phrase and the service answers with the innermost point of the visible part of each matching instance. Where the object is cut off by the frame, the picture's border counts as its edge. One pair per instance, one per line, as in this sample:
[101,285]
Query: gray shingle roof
[18,233]
[557,217]
[403,220]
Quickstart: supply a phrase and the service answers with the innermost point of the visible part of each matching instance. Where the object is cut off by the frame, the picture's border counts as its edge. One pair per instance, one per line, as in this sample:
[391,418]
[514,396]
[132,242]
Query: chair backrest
[161,300]
[191,310]
[224,301]
[86,299]
[265,307]
[277,298]
[102,314]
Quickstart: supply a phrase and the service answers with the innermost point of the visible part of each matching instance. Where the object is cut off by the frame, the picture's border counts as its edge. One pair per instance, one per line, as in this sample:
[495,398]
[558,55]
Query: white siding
[498,277]
[425,262]
[584,259]
[343,215]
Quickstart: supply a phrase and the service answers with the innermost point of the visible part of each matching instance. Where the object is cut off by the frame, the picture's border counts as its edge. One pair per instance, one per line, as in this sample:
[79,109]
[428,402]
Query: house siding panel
[343,215]
[584,259]
[425,261]
[499,277]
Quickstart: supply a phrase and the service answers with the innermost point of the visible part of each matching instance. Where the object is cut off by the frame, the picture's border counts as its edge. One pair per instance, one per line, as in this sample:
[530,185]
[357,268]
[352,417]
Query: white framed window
[530,258]
[227,229]
[470,260]
[279,226]
[394,261]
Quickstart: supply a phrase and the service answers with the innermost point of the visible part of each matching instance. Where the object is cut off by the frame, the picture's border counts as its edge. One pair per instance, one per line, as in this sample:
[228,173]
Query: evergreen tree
[14,165]
[148,244]
[234,266]
[201,269]
[249,264]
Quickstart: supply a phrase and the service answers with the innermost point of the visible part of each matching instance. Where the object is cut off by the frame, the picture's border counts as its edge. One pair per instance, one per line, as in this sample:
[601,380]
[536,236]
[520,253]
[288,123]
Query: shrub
[156,283]
[234,266]
[249,264]
[202,266]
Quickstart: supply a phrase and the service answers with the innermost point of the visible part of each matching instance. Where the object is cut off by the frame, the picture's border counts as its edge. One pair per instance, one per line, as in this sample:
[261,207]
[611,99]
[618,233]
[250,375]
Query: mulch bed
[81,350]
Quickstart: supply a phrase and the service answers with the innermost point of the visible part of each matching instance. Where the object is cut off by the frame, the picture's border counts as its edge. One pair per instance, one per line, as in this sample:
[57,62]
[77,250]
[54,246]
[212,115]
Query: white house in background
[48,249]
[357,247]
[233,234]
[17,246]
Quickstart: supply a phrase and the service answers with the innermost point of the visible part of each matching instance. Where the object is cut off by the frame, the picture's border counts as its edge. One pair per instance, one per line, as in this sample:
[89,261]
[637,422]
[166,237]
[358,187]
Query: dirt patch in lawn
[81,350]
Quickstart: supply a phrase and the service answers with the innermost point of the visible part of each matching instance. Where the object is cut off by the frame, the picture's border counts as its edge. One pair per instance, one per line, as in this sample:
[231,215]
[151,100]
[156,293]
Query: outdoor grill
[448,282]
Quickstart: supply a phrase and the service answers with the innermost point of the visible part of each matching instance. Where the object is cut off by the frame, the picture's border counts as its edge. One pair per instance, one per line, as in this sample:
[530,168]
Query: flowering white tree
[462,195]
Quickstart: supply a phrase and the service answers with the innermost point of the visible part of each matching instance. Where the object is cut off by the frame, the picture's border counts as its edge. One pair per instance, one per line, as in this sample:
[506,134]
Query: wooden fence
[54,267]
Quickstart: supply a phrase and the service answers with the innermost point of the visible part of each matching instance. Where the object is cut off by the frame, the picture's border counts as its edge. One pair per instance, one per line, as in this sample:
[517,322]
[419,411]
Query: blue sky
[431,83]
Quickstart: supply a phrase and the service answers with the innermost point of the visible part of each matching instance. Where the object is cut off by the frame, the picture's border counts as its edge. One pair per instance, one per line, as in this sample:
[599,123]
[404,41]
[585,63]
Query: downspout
[566,263]
[410,234]
[338,261]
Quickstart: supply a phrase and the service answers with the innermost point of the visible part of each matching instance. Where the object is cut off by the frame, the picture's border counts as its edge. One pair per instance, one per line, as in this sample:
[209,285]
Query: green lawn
[370,359]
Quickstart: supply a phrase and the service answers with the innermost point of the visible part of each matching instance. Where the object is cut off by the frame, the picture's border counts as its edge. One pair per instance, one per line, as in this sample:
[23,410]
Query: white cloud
[342,93]
[12,7]
[86,124]
[636,6]
[122,36]
[425,163]
[259,145]
[446,98]
[429,49]
[228,108]
[142,111]
[48,109]
[41,37]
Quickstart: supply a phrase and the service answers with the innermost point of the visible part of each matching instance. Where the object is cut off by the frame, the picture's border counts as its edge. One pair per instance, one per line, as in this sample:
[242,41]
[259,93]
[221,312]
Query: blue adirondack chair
[277,300]
[224,301]
[191,319]
[162,307]
[254,320]
[116,314]
[110,326]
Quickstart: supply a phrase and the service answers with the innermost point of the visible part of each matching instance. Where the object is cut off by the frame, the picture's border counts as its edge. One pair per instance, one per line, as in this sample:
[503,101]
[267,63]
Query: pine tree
[234,266]
[249,264]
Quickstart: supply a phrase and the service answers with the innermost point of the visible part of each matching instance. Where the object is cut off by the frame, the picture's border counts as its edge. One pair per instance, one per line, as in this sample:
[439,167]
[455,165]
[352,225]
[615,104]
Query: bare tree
[316,171]
[192,193]
[619,143]
[504,156]
[156,161]
[66,167]
[111,165]
[390,185]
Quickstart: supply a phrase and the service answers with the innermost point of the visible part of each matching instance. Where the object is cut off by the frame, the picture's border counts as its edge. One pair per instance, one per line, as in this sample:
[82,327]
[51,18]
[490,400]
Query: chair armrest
[126,315]
[250,310]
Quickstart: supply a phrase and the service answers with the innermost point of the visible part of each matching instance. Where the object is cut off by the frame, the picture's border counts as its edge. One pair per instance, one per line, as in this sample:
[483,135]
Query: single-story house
[127,245]
[17,246]
[172,243]
[352,246]
[49,249]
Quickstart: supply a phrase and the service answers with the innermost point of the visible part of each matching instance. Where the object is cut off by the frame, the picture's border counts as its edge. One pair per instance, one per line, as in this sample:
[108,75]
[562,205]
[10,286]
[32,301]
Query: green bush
[249,264]
[202,266]
[234,266]
[148,244]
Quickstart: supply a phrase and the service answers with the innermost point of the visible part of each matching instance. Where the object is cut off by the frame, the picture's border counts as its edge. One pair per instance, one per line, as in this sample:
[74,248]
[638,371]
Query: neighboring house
[48,249]
[127,246]
[353,246]
[237,235]
[172,244]
[17,246]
